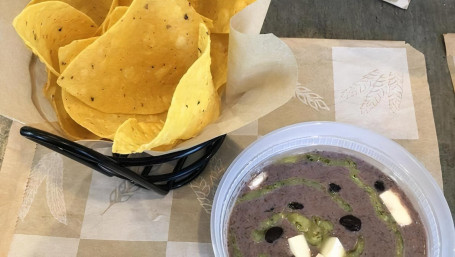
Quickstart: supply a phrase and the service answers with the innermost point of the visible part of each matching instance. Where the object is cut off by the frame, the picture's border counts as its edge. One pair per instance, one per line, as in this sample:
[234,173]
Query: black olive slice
[273,234]
[351,223]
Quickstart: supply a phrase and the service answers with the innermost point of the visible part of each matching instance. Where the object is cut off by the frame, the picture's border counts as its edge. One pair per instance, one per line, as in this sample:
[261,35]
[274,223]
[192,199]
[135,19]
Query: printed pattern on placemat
[54,202]
[373,90]
[49,169]
[205,188]
[308,97]
[375,86]
[117,211]
[190,221]
[5,125]
[107,216]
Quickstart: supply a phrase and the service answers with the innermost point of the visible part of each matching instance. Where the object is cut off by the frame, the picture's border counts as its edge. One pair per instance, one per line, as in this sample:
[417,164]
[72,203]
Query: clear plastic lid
[412,177]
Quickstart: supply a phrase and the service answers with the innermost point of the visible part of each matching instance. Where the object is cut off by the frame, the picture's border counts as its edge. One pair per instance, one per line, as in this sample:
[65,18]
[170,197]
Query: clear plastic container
[416,182]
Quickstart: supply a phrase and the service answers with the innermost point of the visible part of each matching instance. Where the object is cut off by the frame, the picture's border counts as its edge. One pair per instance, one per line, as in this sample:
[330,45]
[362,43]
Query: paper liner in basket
[262,75]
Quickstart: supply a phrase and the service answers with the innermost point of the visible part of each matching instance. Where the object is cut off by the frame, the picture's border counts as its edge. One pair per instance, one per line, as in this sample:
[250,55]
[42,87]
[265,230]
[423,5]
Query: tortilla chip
[115,4]
[135,66]
[132,133]
[103,25]
[220,11]
[48,90]
[53,93]
[116,15]
[219,54]
[47,26]
[194,105]
[97,10]
[69,127]
[67,53]
[73,130]
[124,2]
[102,124]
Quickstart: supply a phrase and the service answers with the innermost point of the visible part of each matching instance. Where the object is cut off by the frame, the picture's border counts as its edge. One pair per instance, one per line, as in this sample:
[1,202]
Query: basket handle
[88,157]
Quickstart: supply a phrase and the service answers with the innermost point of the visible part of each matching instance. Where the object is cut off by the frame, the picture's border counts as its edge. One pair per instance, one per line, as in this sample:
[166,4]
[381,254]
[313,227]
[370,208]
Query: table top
[422,25]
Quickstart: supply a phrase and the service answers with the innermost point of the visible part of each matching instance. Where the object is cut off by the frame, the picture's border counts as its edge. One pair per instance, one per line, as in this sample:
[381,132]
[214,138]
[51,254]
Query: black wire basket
[187,164]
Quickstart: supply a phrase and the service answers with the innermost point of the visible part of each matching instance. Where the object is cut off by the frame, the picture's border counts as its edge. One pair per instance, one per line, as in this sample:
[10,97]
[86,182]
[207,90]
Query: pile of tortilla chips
[146,74]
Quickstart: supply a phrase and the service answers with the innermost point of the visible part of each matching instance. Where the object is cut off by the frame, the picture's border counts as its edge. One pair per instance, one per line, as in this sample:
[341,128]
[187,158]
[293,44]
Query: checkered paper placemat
[63,208]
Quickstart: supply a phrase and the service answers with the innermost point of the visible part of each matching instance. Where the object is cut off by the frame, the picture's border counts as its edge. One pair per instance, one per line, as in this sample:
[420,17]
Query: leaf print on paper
[375,94]
[360,86]
[122,193]
[37,176]
[395,88]
[203,193]
[373,87]
[54,193]
[306,96]
[49,168]
[205,188]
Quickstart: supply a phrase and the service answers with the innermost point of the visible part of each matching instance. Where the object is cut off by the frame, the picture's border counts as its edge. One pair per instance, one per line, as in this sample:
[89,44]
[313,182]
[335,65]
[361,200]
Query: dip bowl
[393,160]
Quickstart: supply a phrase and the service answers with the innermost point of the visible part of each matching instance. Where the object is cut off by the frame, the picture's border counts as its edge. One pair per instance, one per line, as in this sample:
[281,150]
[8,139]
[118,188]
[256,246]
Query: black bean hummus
[322,195]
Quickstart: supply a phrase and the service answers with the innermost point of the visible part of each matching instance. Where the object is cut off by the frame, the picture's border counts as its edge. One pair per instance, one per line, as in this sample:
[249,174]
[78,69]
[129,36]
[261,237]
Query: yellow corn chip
[194,105]
[97,10]
[67,53]
[102,124]
[135,66]
[116,15]
[220,11]
[72,129]
[47,26]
